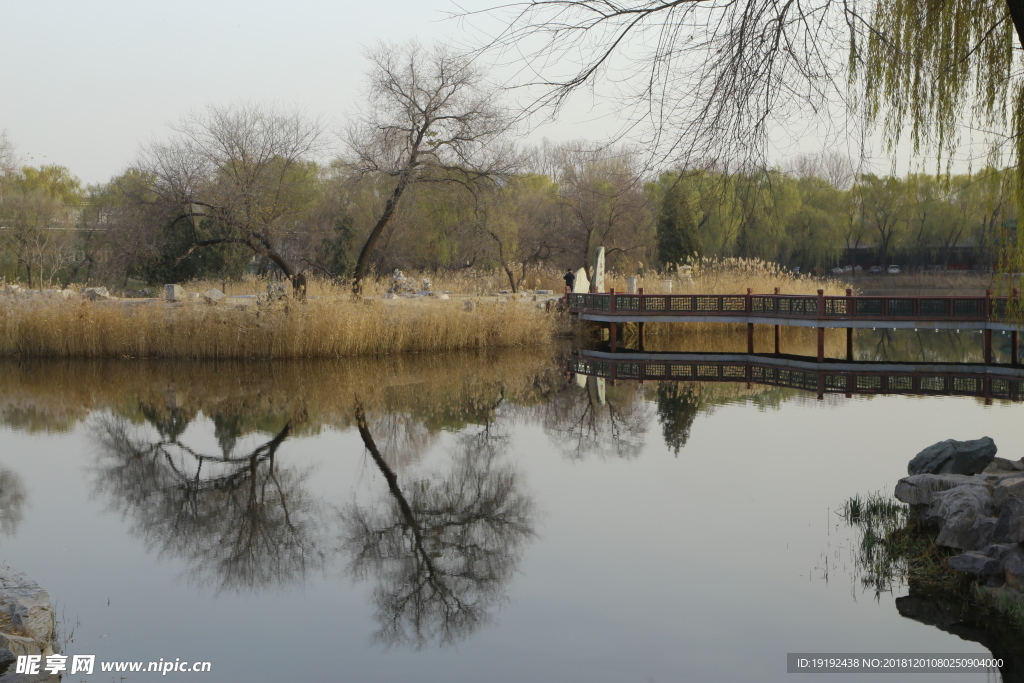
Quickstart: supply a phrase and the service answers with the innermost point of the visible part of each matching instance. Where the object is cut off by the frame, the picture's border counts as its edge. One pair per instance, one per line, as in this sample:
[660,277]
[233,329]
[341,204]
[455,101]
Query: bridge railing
[827,381]
[963,308]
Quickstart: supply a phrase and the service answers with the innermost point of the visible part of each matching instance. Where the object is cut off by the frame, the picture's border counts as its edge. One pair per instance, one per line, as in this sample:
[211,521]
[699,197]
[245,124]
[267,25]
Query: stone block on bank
[954,457]
[214,296]
[96,293]
[174,293]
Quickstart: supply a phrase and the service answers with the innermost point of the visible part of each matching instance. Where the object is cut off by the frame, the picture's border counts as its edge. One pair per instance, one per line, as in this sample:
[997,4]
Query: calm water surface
[467,518]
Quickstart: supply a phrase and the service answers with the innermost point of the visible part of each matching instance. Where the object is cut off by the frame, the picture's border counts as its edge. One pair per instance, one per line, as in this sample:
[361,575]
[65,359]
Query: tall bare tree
[430,116]
[246,172]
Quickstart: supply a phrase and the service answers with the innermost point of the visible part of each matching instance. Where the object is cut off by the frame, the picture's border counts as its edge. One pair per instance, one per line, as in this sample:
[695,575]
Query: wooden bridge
[828,377]
[986,313]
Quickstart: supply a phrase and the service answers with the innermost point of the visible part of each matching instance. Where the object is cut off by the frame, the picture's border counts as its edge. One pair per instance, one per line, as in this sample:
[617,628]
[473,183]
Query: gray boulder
[919,488]
[26,617]
[1008,487]
[987,562]
[1013,568]
[1010,523]
[954,457]
[967,534]
[963,515]
[1002,465]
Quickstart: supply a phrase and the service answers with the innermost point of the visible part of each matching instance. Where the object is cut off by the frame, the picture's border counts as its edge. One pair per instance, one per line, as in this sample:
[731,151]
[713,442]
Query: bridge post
[821,330]
[750,326]
[849,343]
[613,334]
[641,336]
[1014,341]
[778,328]
[988,347]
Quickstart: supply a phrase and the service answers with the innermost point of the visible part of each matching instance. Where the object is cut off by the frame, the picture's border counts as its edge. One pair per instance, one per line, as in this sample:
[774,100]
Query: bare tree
[704,80]
[247,172]
[8,157]
[602,193]
[430,116]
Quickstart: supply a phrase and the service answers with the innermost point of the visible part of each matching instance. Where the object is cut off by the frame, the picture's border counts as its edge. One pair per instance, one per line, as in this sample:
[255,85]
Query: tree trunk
[1017,15]
[371,240]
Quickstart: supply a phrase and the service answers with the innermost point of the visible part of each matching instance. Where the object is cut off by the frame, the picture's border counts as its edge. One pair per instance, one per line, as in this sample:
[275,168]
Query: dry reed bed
[315,329]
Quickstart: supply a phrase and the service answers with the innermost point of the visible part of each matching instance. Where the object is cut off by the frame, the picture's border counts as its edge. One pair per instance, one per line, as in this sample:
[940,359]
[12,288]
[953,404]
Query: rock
[545,291]
[963,517]
[988,562]
[174,293]
[26,617]
[966,533]
[443,297]
[954,457]
[1006,488]
[214,296]
[1004,465]
[1013,568]
[469,306]
[96,293]
[919,488]
[1010,523]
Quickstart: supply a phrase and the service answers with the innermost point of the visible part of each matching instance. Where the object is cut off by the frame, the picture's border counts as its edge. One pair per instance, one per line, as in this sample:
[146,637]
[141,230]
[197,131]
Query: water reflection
[441,549]
[12,501]
[240,521]
[596,419]
[440,543]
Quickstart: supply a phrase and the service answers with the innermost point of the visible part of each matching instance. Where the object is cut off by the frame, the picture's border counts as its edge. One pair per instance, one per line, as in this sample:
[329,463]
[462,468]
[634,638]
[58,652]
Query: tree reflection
[240,521]
[442,549]
[12,501]
[597,419]
[677,409]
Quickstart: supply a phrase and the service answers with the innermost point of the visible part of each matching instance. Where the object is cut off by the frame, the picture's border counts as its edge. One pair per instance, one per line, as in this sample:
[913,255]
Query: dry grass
[321,328]
[332,324]
[731,276]
[928,283]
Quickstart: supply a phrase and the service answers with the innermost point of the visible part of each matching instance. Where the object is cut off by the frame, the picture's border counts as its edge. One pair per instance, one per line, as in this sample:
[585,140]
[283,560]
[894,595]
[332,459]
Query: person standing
[570,279]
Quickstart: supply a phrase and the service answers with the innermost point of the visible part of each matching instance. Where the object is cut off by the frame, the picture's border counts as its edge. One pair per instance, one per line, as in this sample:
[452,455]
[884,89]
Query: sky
[87,83]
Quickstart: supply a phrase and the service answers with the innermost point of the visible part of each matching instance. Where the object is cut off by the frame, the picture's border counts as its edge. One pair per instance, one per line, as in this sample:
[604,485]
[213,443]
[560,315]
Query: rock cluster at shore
[976,503]
[26,625]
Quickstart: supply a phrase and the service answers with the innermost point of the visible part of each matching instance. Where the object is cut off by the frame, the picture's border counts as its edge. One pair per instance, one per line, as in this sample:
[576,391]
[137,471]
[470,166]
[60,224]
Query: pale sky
[86,83]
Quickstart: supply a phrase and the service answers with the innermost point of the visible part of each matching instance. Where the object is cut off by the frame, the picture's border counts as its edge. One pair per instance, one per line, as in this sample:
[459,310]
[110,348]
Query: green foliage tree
[38,208]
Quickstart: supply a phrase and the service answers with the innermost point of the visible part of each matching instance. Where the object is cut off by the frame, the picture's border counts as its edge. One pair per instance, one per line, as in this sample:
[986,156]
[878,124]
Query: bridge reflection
[796,372]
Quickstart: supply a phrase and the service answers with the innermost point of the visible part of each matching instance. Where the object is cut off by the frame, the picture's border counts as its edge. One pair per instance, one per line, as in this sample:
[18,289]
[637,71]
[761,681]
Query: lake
[471,517]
